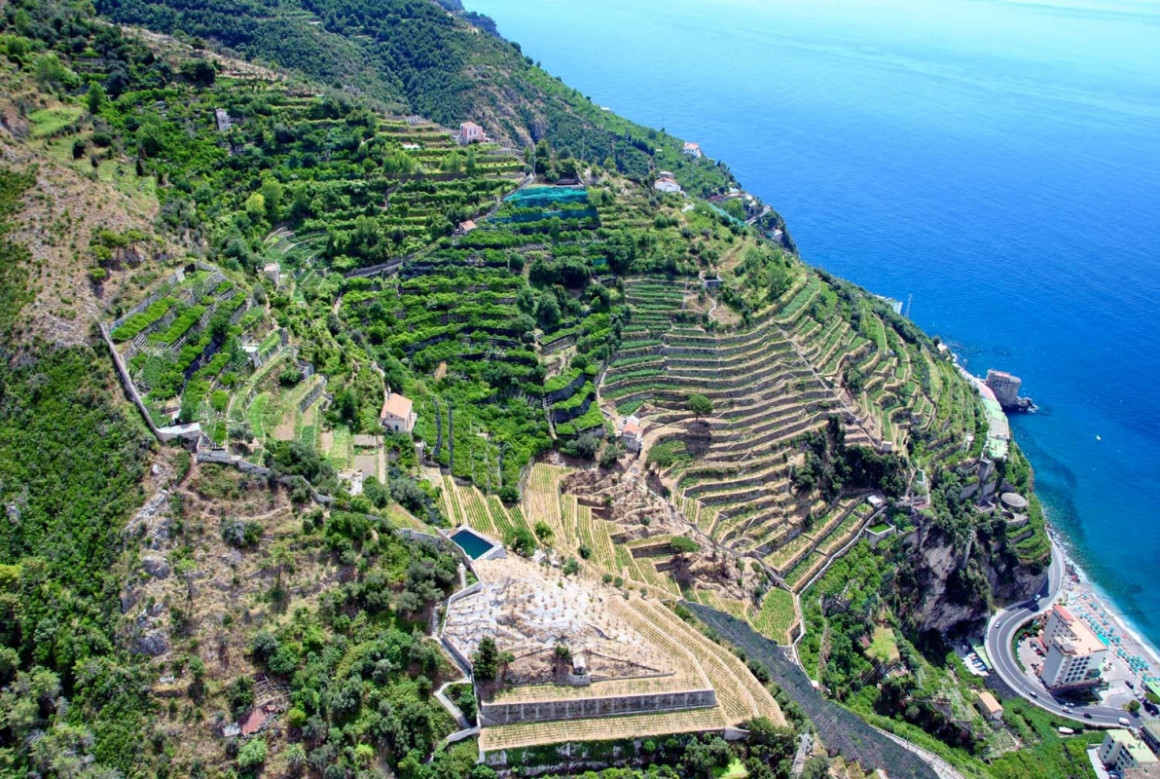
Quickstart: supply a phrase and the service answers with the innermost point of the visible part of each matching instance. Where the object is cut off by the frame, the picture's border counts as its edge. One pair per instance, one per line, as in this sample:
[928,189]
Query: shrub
[252,755]
[587,445]
[241,535]
[521,541]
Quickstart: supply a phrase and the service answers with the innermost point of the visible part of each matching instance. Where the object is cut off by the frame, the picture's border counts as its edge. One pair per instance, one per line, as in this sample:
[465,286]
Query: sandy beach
[1137,659]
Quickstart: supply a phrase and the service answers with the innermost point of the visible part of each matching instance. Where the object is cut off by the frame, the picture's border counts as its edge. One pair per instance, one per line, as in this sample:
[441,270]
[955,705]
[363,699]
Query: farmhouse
[632,434]
[470,132]
[398,415]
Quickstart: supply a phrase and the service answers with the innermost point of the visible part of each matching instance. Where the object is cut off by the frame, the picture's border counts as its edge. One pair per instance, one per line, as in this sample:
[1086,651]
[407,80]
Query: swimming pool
[475,545]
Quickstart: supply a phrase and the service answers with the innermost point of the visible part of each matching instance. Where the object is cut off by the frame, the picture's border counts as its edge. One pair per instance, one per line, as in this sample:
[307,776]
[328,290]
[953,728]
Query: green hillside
[308,235]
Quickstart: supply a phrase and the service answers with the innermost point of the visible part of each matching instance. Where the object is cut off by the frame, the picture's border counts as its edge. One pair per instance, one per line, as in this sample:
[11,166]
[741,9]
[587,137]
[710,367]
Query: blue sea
[998,160]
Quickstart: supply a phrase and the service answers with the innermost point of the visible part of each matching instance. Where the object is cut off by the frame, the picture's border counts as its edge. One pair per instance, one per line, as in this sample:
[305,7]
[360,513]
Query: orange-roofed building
[253,722]
[631,434]
[989,706]
[398,413]
[1075,654]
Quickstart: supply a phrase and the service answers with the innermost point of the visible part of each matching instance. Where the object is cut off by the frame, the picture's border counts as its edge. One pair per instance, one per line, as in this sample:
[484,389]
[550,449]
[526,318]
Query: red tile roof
[253,722]
[397,406]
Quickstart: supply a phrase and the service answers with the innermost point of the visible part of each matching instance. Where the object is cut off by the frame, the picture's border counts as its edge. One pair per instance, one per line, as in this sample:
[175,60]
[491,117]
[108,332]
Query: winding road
[1001,632]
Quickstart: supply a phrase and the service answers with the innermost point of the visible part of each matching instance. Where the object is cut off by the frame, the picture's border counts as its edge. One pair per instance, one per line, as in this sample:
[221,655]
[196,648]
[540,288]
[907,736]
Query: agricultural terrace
[187,346]
[819,348]
[632,645]
[390,256]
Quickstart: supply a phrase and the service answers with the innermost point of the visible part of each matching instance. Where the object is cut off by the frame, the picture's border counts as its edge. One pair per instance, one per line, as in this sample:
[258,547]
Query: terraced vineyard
[820,349]
[575,525]
[777,618]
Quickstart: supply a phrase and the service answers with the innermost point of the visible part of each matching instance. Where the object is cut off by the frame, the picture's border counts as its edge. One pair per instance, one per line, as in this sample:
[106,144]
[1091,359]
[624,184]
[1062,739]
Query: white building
[1074,653]
[1122,750]
[667,184]
[632,434]
[398,415]
[693,150]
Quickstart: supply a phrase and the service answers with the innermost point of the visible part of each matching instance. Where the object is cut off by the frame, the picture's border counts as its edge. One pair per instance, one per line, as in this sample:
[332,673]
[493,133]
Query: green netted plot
[547,197]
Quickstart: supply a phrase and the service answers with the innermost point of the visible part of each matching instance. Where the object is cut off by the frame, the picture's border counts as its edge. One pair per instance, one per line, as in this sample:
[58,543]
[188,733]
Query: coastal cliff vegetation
[315,238]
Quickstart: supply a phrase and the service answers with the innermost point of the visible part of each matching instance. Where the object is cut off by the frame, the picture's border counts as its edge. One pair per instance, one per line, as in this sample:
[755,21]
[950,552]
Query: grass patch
[735,770]
[49,121]
[883,647]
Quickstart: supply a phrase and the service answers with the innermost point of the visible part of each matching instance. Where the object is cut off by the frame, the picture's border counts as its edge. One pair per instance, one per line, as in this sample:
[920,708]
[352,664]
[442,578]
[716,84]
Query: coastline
[1079,592]
[1082,595]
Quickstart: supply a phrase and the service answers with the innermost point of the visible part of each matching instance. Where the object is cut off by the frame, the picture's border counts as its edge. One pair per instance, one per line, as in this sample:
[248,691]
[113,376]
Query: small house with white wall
[398,413]
[632,434]
[693,150]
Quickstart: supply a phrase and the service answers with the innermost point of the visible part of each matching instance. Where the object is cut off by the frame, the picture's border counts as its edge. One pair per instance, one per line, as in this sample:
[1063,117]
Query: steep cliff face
[952,586]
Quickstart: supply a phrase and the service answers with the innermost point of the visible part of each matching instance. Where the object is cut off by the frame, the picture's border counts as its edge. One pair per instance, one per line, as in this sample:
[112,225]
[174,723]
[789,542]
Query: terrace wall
[587,708]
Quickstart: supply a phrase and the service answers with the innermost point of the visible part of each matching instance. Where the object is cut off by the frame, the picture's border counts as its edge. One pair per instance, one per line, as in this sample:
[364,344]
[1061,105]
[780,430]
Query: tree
[256,206]
[587,445]
[521,541]
[700,405]
[95,99]
[548,309]
[485,661]
[273,194]
[186,568]
[200,73]
[684,545]
[611,455]
[280,558]
[252,754]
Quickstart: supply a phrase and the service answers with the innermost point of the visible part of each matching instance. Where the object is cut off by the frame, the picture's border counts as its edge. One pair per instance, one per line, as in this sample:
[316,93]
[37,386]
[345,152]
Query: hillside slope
[271,256]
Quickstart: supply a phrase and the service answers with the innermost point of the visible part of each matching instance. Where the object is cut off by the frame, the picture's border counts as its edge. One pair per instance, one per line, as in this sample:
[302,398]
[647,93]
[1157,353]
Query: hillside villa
[470,132]
[632,434]
[397,415]
[666,183]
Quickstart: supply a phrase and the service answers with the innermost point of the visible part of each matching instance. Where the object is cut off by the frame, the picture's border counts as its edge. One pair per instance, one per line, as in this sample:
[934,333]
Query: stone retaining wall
[587,708]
